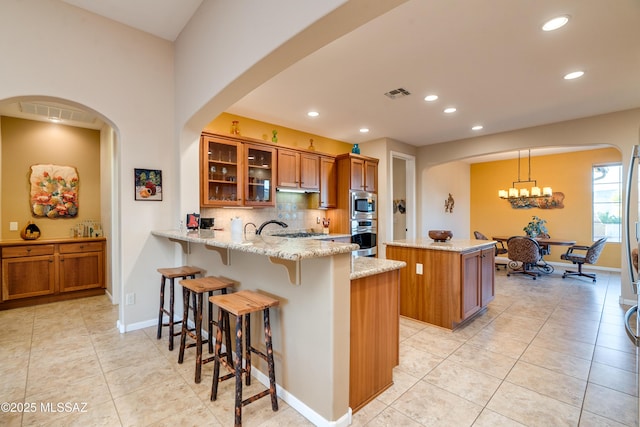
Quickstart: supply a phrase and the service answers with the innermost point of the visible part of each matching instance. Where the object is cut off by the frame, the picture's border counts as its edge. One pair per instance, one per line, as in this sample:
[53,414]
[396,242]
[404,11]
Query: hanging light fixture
[524,193]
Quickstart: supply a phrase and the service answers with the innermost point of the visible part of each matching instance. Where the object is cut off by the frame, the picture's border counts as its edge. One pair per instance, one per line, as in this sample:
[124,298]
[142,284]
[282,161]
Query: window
[607,205]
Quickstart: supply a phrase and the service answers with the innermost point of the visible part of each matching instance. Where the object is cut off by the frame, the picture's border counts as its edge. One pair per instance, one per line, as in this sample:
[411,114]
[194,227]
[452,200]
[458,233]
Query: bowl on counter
[440,235]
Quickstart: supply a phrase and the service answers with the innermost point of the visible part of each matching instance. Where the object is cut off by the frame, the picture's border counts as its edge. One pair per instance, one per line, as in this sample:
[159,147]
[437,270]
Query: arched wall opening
[87,126]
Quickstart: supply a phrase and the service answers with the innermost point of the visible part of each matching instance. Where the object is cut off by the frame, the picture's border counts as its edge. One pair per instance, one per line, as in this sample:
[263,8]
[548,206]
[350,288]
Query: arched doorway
[55,112]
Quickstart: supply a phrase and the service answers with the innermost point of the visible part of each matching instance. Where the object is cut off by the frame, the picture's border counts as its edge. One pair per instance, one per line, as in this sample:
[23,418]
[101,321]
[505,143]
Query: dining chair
[500,249]
[589,257]
[524,253]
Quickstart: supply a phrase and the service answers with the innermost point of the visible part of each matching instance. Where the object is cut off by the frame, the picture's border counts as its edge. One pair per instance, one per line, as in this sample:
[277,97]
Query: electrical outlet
[418,268]
[13,226]
[131,299]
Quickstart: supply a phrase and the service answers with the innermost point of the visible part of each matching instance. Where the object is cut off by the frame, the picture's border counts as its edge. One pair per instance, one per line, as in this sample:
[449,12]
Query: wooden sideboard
[43,271]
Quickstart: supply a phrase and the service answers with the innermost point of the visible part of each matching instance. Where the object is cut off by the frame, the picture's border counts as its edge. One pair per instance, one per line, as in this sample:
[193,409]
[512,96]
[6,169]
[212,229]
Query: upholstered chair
[589,257]
[524,253]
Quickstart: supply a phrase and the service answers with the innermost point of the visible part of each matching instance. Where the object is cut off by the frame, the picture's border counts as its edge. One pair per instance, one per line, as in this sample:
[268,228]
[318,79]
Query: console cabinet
[42,271]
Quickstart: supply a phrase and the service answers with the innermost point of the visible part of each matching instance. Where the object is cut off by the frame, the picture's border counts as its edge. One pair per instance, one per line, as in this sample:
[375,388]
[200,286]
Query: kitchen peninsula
[445,283]
[315,332]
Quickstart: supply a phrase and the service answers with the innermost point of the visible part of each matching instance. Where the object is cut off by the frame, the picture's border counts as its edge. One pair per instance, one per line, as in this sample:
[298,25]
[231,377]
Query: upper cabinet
[361,170]
[221,171]
[328,182]
[260,171]
[298,169]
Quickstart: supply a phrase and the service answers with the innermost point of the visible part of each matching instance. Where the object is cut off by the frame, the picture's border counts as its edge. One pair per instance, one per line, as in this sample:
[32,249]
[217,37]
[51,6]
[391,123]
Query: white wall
[435,185]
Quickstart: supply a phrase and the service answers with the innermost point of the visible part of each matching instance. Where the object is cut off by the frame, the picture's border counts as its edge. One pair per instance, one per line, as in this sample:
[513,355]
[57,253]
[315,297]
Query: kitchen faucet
[271,221]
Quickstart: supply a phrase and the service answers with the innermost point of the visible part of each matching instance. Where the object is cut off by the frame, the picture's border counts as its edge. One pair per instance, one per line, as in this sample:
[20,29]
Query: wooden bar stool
[196,288]
[241,304]
[183,272]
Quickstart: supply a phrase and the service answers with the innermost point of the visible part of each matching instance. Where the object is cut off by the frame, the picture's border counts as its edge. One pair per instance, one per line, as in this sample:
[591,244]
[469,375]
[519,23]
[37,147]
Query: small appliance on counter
[207,223]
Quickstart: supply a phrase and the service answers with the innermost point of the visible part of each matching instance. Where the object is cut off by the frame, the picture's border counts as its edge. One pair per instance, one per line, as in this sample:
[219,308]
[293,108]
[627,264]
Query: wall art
[148,183]
[556,201]
[54,191]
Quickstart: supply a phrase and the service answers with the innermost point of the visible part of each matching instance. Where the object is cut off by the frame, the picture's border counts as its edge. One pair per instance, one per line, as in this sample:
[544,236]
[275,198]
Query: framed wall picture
[54,191]
[193,221]
[148,184]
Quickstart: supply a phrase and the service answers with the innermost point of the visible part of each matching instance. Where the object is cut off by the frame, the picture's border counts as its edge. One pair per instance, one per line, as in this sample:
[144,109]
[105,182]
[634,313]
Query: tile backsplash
[291,208]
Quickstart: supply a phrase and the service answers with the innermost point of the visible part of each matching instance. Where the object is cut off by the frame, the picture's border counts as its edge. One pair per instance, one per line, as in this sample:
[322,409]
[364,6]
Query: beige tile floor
[549,352]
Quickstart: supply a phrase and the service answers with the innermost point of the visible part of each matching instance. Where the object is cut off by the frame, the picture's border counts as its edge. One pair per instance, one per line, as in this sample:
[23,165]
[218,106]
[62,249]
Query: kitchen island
[445,283]
[312,328]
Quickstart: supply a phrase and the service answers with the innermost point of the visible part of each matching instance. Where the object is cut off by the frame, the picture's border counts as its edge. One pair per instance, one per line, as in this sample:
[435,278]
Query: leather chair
[524,253]
[500,249]
[589,257]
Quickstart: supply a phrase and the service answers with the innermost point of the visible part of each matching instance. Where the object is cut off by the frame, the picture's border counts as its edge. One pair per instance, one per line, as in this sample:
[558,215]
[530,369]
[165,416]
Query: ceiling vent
[397,93]
[60,112]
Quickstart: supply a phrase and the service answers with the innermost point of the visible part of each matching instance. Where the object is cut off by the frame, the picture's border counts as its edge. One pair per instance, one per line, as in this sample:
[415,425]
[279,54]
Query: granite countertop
[453,245]
[278,247]
[368,266]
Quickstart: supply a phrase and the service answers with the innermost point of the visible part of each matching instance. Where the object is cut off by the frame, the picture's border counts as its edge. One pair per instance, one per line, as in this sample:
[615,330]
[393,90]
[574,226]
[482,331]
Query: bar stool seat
[183,272]
[196,288]
[241,304]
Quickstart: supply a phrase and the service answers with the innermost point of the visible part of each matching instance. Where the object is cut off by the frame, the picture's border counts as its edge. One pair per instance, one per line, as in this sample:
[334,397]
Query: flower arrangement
[535,227]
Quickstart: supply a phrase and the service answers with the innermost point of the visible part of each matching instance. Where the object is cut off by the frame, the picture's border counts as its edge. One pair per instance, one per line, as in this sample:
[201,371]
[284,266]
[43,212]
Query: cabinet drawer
[31,250]
[71,248]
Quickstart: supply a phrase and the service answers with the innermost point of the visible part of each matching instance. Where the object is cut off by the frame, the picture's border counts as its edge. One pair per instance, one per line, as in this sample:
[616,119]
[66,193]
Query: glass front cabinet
[260,179]
[221,172]
[236,173]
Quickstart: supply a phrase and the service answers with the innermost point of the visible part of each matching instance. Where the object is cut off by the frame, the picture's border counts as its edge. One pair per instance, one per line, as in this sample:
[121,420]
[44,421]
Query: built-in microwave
[363,205]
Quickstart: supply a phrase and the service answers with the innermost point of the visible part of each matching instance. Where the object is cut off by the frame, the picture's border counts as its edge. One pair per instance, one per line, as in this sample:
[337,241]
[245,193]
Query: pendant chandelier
[524,193]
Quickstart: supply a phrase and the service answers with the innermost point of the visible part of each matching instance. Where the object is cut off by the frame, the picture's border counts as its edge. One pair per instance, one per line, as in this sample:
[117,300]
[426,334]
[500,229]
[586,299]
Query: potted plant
[536,227]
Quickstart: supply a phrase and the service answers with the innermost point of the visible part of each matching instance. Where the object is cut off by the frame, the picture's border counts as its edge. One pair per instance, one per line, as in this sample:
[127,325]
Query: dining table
[545,243]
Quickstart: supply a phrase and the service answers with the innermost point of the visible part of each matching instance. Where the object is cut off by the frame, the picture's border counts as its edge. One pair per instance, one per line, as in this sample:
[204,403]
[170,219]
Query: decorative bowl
[440,235]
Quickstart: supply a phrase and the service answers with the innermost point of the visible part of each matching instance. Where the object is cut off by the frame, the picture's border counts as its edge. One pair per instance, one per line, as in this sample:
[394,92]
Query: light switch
[13,226]
[418,268]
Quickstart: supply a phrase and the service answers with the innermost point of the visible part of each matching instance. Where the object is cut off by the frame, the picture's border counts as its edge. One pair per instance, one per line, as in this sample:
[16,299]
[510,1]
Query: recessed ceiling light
[574,75]
[313,114]
[55,119]
[430,98]
[364,130]
[555,23]
[477,127]
[450,110]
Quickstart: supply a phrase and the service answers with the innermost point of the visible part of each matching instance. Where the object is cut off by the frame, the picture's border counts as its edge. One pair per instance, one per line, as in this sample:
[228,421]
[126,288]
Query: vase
[30,231]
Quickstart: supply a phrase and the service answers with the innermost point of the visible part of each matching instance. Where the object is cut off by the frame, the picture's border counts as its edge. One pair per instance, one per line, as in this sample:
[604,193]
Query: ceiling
[488,59]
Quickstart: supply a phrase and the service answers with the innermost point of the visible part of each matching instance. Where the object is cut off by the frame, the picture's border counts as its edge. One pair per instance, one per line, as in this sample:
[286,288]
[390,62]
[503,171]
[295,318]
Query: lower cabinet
[45,271]
[375,336]
[477,281]
[451,288]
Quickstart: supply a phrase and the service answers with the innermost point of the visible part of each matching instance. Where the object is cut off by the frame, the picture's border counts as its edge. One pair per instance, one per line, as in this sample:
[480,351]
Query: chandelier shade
[517,191]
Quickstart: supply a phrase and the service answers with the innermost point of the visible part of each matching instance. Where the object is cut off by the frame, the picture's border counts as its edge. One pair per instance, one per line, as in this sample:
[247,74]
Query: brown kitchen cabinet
[42,271]
[260,173]
[452,288]
[362,171]
[81,266]
[375,336]
[28,271]
[477,281]
[220,171]
[299,170]
[328,182]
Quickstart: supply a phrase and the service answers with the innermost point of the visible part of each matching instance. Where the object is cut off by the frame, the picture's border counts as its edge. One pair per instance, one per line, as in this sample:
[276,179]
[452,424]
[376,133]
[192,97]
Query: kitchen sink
[299,234]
